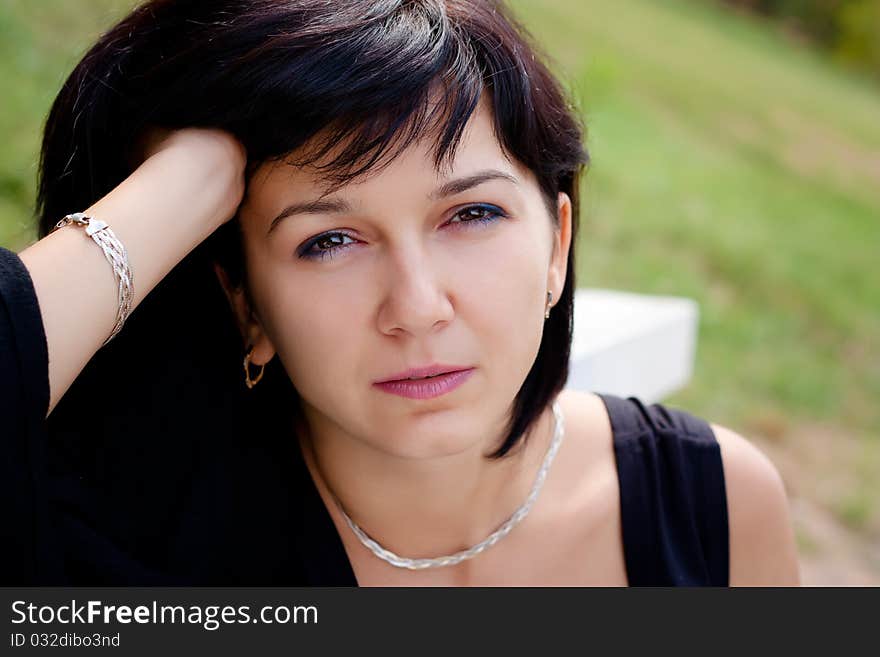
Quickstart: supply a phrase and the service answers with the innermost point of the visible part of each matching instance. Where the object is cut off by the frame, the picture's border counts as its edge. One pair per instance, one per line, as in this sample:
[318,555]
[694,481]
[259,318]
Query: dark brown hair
[280,75]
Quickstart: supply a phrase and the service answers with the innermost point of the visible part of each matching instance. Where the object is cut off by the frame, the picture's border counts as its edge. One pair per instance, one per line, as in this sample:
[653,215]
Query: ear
[249,325]
[561,244]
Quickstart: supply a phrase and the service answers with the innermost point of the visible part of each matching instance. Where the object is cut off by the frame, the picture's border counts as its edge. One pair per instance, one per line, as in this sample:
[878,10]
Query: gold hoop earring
[547,309]
[250,383]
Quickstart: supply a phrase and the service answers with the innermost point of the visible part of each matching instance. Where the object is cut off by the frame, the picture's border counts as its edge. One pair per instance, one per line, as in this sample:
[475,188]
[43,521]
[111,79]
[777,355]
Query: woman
[402,181]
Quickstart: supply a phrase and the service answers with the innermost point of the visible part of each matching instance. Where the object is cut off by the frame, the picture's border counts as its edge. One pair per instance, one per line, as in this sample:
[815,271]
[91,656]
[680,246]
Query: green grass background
[728,165]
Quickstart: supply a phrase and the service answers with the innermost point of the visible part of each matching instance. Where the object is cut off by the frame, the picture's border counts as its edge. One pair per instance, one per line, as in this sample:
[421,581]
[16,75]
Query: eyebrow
[341,206]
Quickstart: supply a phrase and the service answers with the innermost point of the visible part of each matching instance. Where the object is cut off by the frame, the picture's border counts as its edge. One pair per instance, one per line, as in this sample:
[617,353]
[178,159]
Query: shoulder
[585,465]
[761,537]
[763,551]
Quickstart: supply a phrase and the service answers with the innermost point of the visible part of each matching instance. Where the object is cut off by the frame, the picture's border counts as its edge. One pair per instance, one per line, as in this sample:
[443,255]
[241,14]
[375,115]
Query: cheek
[504,297]
[509,277]
[310,326]
[325,344]
[315,332]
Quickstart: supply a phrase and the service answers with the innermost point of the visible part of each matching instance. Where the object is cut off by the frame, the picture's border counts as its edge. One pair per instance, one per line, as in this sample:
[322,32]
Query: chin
[428,442]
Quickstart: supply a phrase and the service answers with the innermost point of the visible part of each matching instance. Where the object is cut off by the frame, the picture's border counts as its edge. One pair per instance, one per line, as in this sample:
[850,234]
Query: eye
[329,245]
[324,246]
[479,214]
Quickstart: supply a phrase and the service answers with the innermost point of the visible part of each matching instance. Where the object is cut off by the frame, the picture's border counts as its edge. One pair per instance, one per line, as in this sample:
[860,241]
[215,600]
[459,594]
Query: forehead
[478,149]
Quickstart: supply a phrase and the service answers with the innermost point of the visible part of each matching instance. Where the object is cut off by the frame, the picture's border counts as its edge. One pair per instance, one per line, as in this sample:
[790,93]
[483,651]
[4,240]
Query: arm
[190,183]
[763,551]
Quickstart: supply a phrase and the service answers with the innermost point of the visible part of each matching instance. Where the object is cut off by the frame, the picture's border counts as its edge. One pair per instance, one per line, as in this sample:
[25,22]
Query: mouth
[426,387]
[424,373]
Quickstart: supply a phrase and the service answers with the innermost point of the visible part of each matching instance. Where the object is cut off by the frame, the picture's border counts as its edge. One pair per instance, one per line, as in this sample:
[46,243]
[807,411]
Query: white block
[632,344]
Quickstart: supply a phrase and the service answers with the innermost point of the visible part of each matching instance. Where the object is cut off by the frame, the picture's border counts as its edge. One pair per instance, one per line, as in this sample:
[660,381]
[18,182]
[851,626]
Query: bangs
[354,146]
[360,97]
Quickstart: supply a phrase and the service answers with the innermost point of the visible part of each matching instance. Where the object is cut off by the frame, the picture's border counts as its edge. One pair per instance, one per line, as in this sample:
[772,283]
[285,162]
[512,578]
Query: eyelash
[493,214]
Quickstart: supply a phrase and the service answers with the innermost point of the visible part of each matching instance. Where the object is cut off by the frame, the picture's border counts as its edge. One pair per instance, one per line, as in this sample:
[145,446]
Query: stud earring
[547,308]
[250,383]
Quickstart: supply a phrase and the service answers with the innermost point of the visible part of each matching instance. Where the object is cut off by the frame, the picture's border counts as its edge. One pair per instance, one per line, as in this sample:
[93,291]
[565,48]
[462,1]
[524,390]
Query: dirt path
[819,464]
[830,553]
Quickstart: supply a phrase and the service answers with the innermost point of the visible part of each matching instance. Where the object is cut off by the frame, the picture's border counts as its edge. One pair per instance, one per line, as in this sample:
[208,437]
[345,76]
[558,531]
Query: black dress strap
[672,495]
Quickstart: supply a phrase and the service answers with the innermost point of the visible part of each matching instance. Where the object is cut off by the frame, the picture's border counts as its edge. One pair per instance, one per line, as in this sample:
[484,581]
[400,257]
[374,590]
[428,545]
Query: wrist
[207,190]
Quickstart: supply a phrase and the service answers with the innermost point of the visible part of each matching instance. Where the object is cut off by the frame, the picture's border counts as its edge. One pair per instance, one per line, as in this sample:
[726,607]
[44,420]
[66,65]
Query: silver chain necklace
[494,537]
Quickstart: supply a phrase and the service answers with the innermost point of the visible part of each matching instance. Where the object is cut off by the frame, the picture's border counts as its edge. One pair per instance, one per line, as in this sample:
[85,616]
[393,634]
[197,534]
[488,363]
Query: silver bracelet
[116,255]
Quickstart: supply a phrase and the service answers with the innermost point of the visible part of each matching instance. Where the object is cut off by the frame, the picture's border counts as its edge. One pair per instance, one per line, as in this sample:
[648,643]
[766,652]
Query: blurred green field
[729,166]
[735,168]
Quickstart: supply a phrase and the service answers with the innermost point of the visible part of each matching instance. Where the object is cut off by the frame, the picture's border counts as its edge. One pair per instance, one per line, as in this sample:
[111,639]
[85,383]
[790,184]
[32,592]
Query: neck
[424,507]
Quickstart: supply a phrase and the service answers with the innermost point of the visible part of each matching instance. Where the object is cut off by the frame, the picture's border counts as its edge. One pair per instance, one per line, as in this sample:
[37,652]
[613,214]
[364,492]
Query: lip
[428,370]
[426,388]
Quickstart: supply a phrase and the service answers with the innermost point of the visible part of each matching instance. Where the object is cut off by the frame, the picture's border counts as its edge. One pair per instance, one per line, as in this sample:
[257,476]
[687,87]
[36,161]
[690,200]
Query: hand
[215,151]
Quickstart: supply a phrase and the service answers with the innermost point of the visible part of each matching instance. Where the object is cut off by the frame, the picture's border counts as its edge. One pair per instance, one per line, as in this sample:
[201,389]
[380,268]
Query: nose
[416,300]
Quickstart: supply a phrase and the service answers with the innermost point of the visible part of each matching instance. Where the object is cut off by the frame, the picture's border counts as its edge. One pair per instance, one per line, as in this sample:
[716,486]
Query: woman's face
[405,268]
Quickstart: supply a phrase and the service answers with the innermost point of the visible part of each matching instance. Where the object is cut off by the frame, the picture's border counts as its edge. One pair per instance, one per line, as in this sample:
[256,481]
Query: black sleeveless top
[173,483]
[672,496]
